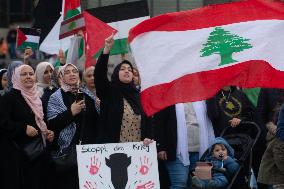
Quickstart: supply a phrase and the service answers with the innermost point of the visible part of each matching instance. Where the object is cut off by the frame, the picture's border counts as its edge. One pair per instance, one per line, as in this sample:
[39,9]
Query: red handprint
[94,166]
[89,185]
[144,169]
[147,185]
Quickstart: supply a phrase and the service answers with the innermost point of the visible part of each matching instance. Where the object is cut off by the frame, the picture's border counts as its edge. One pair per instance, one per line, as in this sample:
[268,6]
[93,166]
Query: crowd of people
[61,109]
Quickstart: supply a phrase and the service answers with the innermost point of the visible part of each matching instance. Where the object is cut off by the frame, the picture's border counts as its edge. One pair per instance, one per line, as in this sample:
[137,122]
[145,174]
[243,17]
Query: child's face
[220,151]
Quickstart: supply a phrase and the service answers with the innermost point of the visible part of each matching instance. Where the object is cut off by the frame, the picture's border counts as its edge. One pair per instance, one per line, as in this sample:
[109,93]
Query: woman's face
[136,77]
[89,77]
[27,77]
[125,73]
[4,81]
[71,75]
[47,75]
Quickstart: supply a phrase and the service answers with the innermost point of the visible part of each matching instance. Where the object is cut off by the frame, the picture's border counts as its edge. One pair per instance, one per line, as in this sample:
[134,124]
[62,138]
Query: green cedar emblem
[224,43]
[72,25]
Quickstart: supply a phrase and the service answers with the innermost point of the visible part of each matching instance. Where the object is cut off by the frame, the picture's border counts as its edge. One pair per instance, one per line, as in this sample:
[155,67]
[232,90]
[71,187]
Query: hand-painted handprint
[89,185]
[145,166]
[147,185]
[94,166]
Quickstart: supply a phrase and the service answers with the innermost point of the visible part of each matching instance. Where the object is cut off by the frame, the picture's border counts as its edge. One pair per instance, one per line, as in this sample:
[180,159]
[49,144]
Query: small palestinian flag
[28,37]
[122,17]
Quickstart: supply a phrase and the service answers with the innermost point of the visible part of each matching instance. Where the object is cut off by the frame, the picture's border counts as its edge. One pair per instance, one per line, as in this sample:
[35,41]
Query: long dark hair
[128,90]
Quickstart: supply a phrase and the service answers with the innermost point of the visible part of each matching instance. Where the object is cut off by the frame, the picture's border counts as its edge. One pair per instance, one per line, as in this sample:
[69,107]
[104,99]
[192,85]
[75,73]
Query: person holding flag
[123,119]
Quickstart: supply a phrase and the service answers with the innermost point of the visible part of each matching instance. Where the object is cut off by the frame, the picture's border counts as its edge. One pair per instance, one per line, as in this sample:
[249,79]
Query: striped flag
[28,37]
[189,56]
[48,17]
[71,8]
[72,26]
[122,17]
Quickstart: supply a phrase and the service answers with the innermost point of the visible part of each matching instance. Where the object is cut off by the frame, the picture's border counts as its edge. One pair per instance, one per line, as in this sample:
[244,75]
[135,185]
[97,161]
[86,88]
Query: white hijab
[40,69]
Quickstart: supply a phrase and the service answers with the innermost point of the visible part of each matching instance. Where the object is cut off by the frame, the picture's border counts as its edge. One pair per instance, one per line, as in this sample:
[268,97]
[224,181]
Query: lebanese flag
[95,35]
[72,26]
[189,56]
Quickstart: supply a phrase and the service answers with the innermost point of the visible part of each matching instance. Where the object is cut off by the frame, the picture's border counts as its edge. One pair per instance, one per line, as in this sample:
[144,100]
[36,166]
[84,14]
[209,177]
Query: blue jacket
[229,164]
[280,124]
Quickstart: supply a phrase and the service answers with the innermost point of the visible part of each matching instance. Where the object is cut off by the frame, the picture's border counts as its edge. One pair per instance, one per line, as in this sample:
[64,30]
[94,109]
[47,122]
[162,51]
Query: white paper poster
[118,166]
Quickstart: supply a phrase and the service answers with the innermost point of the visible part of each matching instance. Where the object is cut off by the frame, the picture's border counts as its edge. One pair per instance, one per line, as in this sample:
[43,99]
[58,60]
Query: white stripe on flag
[51,44]
[32,39]
[66,27]
[124,26]
[165,56]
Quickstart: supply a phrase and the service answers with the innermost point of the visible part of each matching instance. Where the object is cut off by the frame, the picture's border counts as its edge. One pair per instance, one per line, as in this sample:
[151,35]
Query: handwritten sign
[118,165]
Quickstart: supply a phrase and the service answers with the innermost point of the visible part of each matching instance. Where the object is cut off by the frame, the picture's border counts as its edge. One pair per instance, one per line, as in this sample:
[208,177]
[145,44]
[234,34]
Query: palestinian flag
[28,37]
[191,55]
[48,18]
[122,17]
[95,35]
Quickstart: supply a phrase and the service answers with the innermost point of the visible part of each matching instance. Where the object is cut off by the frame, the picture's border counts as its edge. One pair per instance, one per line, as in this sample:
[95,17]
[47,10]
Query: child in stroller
[221,155]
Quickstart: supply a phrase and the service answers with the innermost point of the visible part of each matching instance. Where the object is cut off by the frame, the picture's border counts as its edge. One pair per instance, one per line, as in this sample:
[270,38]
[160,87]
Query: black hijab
[127,90]
[2,71]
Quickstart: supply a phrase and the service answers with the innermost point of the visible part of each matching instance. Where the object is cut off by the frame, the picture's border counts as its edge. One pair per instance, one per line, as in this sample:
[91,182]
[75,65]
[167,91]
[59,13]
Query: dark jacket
[91,120]
[229,164]
[112,105]
[165,123]
[15,115]
[220,114]
[280,125]
[45,97]
[265,112]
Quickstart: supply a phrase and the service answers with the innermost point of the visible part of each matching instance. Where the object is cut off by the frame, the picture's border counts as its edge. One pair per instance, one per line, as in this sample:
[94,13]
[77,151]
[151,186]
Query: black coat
[45,97]
[15,116]
[69,179]
[220,114]
[91,120]
[165,123]
[267,101]
[111,106]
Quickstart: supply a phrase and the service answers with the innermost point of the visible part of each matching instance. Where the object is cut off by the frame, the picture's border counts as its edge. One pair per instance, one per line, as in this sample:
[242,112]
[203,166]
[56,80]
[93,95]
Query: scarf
[66,87]
[2,72]
[10,72]
[40,69]
[55,107]
[182,143]
[127,90]
[31,97]
[206,132]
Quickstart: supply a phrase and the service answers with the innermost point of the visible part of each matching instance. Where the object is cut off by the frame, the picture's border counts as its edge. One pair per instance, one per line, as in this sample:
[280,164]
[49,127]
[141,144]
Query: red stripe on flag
[21,37]
[73,32]
[211,16]
[203,85]
[72,19]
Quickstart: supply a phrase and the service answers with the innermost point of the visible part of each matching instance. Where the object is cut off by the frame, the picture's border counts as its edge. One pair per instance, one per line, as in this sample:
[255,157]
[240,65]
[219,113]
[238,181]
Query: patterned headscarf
[66,87]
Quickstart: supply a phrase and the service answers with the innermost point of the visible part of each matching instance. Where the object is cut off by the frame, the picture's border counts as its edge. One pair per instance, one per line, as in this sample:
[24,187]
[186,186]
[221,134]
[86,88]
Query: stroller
[242,139]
